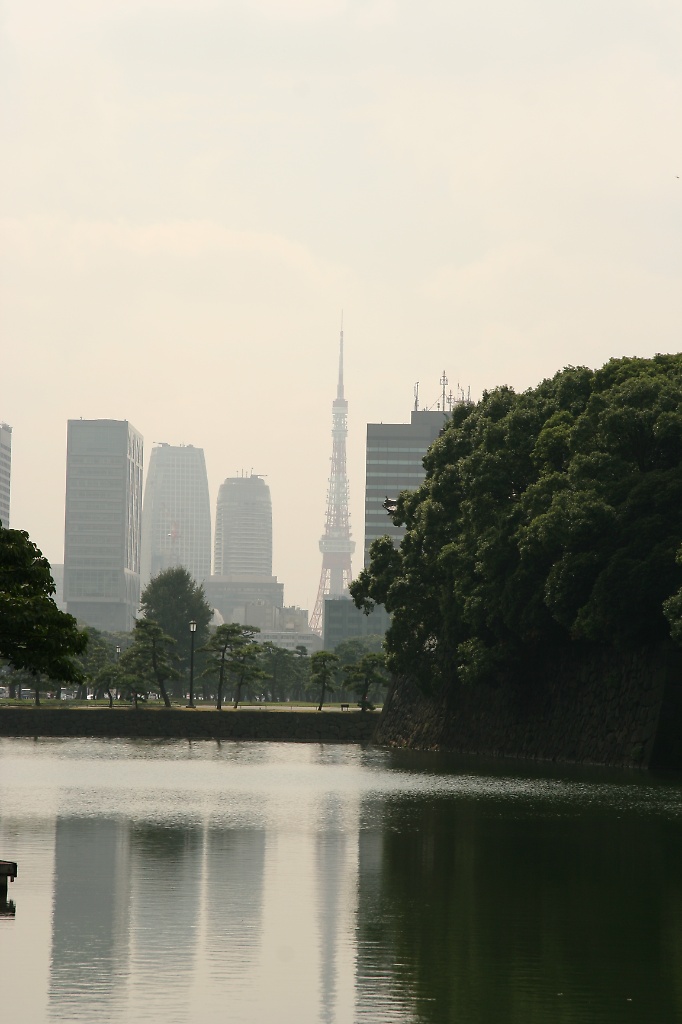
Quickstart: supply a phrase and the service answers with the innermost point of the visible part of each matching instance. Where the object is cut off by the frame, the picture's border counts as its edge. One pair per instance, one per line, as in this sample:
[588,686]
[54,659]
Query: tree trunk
[219,705]
[12,691]
[237,695]
[319,708]
[164,694]
[37,693]
[111,698]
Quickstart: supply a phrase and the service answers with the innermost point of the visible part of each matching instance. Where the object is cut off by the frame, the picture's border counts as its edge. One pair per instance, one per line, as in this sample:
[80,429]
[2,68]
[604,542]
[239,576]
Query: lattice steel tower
[336,544]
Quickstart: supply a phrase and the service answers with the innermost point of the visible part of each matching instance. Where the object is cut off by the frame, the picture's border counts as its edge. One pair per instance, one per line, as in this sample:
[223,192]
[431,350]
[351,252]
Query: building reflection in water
[90,920]
[165,883]
[233,898]
[331,851]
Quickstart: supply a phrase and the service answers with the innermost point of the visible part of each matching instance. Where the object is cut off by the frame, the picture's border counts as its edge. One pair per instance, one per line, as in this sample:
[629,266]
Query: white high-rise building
[103,523]
[5,472]
[176,515]
[243,588]
[243,528]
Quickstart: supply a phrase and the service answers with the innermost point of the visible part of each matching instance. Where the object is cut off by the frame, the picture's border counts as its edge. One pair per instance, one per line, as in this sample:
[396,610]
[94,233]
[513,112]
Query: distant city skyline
[191,193]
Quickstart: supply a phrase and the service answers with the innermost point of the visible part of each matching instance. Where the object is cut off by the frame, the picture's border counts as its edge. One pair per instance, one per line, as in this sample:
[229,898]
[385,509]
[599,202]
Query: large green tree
[35,636]
[365,675]
[150,660]
[173,599]
[279,665]
[233,655]
[323,666]
[548,518]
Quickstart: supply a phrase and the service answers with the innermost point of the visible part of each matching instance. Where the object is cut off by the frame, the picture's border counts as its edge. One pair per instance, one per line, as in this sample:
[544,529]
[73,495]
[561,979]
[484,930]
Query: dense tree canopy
[234,655]
[150,660]
[546,518]
[35,636]
[173,599]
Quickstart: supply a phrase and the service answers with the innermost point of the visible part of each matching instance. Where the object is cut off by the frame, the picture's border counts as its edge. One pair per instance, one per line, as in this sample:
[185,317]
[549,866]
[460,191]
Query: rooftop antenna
[444,384]
[416,396]
[339,388]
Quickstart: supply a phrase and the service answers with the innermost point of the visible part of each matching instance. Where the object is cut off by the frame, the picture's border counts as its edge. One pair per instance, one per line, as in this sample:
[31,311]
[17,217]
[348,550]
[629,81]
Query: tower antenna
[443,384]
[336,544]
[416,397]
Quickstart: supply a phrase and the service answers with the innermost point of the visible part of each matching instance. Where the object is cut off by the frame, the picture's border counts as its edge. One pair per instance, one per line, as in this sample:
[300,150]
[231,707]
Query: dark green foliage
[279,666]
[35,636]
[546,518]
[350,651]
[108,679]
[368,672]
[323,666]
[173,600]
[150,661]
[234,654]
[99,653]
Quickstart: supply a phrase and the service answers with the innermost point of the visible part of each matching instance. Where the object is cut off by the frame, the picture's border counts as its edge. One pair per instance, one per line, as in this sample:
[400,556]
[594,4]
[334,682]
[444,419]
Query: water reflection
[90,918]
[165,887]
[331,852]
[233,898]
[477,917]
[319,886]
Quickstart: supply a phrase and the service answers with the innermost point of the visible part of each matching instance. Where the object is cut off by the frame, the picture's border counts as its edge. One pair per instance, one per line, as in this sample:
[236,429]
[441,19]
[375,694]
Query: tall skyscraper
[243,527]
[395,452]
[5,472]
[176,514]
[336,544]
[243,588]
[102,522]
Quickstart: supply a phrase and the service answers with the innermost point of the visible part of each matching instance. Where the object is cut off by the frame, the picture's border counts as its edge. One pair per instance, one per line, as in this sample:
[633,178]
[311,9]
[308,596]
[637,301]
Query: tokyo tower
[336,544]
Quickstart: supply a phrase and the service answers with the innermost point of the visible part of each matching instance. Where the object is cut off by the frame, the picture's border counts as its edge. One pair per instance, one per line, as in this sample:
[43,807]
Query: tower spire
[339,388]
[336,544]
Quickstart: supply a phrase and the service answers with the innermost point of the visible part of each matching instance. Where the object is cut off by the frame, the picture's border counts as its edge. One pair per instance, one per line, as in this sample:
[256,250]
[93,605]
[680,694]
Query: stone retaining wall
[162,723]
[598,707]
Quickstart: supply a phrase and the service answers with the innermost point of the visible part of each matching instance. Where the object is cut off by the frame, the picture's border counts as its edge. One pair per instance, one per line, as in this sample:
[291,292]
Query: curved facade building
[243,528]
[176,514]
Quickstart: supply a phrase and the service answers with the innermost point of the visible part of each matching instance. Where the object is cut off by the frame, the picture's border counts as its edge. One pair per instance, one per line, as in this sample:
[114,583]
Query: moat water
[296,884]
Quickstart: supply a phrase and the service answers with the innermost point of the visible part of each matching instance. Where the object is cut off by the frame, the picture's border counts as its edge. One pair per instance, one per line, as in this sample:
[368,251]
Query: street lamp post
[192,631]
[118,655]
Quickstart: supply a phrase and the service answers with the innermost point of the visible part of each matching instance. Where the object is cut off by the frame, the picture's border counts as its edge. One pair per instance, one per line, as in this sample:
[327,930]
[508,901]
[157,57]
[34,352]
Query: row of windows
[395,462]
[386,448]
[395,469]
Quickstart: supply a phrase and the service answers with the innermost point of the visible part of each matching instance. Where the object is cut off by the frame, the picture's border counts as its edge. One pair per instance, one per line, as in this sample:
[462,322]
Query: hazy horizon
[193,190]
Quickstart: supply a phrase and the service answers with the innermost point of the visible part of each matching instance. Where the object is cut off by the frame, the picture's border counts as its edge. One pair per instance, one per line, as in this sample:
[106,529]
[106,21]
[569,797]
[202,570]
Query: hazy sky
[191,190]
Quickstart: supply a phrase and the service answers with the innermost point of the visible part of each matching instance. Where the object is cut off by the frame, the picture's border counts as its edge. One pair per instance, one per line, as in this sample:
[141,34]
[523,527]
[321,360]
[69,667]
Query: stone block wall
[162,723]
[595,707]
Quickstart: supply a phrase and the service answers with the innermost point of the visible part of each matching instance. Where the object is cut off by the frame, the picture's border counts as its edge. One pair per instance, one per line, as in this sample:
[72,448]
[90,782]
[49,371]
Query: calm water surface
[296,884]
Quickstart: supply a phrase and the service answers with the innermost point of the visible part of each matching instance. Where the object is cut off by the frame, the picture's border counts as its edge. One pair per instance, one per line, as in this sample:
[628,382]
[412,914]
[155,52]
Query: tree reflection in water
[482,912]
